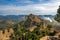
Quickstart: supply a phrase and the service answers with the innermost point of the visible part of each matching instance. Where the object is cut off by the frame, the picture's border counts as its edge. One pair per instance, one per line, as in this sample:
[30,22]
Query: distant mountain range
[20,17]
[11,17]
[26,20]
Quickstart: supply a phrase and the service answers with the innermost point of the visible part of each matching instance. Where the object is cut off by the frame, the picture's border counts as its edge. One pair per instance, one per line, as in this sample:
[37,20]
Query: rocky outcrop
[50,38]
[31,21]
[5,34]
[44,38]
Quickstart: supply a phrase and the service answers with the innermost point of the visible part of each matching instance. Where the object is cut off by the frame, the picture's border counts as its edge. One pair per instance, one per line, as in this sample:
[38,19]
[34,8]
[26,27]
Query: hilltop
[33,20]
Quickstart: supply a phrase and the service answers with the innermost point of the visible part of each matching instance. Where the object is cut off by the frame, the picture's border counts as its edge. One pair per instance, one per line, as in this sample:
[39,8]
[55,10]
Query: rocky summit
[32,21]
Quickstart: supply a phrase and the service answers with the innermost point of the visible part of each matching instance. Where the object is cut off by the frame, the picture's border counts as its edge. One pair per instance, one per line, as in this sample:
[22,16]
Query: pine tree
[57,17]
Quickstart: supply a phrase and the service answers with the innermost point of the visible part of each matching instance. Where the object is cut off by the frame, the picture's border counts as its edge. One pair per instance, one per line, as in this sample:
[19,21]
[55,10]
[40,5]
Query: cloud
[16,2]
[49,8]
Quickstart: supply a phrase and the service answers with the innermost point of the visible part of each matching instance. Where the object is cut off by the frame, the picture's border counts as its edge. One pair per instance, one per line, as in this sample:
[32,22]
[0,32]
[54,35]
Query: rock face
[50,38]
[44,38]
[5,34]
[31,21]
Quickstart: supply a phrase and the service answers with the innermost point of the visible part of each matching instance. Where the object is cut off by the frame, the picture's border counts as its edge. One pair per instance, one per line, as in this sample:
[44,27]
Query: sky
[25,7]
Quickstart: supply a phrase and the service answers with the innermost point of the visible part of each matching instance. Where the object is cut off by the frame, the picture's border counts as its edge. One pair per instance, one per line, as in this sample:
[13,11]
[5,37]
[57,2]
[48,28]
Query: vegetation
[22,33]
[58,15]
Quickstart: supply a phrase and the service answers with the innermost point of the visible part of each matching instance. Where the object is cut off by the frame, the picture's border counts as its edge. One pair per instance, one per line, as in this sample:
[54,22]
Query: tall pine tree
[57,17]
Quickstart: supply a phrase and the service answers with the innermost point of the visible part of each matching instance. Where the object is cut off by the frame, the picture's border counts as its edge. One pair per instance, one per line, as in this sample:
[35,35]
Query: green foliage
[22,33]
[58,15]
[31,36]
[47,31]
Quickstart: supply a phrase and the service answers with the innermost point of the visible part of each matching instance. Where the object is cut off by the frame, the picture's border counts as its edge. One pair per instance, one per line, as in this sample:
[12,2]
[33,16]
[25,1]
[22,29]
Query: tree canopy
[57,17]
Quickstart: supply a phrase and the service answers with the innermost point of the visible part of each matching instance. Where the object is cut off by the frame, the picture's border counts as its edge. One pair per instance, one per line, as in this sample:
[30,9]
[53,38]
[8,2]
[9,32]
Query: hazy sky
[25,7]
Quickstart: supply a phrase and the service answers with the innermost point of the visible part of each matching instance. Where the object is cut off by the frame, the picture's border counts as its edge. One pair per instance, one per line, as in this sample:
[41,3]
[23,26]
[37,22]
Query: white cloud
[24,1]
[45,8]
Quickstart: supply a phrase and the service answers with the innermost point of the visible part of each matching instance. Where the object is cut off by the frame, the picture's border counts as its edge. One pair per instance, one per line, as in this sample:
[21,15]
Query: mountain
[32,21]
[6,23]
[20,17]
[11,17]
